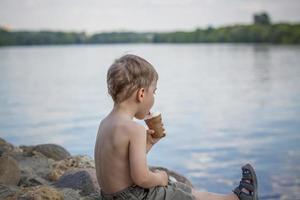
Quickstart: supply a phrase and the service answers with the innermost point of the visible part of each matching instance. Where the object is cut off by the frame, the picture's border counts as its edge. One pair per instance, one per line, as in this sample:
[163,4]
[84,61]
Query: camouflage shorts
[174,191]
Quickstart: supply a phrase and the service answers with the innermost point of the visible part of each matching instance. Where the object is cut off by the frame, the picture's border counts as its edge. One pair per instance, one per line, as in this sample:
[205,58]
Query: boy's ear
[140,95]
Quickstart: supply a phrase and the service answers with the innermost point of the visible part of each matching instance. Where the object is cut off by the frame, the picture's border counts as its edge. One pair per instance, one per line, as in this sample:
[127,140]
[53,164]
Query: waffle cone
[155,123]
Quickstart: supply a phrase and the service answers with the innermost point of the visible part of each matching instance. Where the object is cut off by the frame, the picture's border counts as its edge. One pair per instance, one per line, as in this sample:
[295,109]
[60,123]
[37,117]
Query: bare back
[112,154]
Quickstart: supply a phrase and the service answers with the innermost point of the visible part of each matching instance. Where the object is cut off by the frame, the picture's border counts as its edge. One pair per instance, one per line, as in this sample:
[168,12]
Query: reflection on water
[223,106]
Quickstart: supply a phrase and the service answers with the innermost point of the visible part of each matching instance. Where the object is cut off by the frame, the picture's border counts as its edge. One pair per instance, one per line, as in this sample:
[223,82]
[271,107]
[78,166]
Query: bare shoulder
[136,130]
[124,125]
[130,129]
[123,129]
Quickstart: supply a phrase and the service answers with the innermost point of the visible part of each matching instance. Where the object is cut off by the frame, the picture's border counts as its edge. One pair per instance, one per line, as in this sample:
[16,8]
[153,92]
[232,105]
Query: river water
[223,105]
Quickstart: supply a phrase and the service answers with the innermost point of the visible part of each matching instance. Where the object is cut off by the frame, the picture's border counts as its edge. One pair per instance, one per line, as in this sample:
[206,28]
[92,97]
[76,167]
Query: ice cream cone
[154,122]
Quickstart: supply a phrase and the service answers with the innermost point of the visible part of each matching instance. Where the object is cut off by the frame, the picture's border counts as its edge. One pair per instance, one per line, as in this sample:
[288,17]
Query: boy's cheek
[139,117]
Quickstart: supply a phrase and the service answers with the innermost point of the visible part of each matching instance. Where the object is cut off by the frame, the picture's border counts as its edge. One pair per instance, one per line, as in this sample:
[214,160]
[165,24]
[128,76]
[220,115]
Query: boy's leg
[246,190]
[212,196]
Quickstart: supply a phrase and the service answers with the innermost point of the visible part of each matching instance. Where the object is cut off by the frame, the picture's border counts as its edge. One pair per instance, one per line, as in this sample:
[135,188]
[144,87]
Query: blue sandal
[248,182]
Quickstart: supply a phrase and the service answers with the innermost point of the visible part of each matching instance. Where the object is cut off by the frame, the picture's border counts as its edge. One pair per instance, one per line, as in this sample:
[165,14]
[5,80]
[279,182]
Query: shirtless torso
[112,153]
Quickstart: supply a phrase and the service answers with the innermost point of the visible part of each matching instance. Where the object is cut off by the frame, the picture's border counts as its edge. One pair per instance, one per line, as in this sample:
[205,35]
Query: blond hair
[127,74]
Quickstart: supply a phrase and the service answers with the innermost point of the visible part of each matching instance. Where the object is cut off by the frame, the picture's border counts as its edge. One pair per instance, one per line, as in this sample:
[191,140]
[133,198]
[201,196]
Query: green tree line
[261,31]
[276,34]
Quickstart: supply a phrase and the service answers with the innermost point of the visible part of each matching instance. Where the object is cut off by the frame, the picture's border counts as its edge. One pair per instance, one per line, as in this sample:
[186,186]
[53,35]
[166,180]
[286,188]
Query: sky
[138,15]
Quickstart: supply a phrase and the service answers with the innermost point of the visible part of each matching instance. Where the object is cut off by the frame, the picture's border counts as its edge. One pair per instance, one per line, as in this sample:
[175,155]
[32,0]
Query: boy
[122,144]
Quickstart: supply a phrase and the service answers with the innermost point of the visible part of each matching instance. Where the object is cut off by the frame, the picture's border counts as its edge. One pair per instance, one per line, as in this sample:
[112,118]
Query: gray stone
[174,174]
[9,171]
[70,194]
[29,180]
[27,150]
[53,151]
[7,191]
[7,148]
[33,167]
[79,179]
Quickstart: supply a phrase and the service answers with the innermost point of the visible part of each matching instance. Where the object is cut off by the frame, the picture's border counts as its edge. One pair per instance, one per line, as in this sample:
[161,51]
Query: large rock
[34,169]
[9,171]
[53,151]
[60,167]
[84,180]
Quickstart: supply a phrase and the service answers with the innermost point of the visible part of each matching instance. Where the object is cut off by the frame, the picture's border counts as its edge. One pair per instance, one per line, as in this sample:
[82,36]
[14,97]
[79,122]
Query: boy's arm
[149,143]
[150,140]
[139,170]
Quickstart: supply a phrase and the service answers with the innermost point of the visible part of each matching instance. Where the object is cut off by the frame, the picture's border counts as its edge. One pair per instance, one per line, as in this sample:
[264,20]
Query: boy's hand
[164,177]
[150,139]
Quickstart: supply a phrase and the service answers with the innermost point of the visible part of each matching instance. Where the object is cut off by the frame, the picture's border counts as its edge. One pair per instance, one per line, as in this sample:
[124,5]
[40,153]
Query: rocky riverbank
[49,171]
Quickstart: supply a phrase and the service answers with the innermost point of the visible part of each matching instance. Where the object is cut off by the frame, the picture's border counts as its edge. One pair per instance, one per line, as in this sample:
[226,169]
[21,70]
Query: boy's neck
[124,110]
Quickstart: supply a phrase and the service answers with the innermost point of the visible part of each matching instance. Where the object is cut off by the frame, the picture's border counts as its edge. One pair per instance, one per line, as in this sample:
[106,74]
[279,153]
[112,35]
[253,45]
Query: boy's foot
[247,190]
